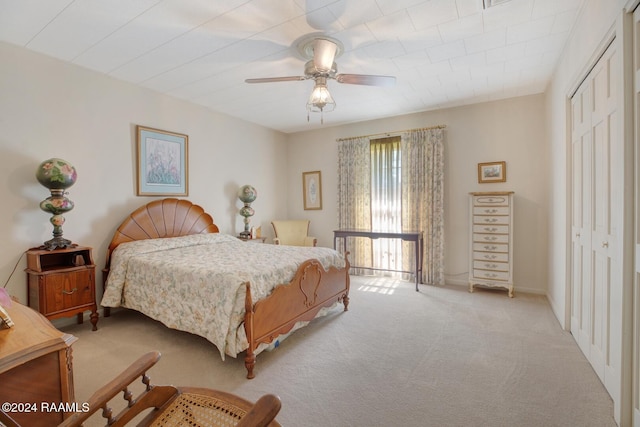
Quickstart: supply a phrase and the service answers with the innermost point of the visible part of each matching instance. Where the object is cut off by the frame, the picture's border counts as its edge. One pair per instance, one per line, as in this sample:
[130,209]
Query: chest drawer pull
[71,292]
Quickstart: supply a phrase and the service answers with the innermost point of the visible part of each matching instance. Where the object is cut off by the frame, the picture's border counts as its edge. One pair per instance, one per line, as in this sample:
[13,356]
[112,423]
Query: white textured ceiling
[443,53]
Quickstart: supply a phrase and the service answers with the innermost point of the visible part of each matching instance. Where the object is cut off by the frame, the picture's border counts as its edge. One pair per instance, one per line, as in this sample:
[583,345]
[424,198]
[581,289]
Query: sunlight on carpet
[379,285]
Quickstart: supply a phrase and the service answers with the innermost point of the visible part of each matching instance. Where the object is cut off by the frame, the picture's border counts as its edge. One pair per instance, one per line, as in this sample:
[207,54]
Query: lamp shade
[56,174]
[247,194]
[320,99]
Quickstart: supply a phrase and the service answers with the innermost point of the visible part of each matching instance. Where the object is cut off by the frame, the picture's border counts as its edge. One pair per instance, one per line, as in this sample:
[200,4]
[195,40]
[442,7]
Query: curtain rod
[393,133]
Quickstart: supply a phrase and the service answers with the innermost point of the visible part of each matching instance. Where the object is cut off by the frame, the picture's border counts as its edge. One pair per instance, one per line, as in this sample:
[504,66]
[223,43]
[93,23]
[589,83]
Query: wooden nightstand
[255,240]
[62,283]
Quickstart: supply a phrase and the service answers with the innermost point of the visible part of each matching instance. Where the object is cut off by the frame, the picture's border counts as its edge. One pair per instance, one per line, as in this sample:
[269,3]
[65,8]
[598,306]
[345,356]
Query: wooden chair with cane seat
[171,406]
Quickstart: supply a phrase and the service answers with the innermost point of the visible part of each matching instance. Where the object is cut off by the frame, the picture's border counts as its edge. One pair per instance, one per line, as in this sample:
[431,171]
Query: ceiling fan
[321,52]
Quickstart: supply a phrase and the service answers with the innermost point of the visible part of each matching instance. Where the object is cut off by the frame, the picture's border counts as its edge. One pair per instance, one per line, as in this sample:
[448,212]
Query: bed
[168,260]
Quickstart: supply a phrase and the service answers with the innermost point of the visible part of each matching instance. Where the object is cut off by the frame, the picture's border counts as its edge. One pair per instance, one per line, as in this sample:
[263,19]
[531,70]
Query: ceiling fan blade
[276,79]
[324,52]
[365,79]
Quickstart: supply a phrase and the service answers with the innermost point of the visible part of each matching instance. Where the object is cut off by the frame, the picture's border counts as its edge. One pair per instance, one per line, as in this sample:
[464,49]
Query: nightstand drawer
[67,290]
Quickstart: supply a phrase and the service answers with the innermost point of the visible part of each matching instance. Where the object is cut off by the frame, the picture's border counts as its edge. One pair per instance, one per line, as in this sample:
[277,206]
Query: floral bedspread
[196,283]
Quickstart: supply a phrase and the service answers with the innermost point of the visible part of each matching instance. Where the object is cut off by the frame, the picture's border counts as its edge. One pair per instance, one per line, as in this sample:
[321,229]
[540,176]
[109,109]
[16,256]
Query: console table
[412,236]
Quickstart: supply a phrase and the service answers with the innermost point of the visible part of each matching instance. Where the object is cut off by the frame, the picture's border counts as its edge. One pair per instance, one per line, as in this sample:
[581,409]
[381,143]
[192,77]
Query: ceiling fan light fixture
[320,100]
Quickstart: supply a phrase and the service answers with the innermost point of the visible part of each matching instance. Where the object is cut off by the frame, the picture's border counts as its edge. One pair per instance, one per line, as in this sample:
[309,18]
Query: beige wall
[512,130]
[51,109]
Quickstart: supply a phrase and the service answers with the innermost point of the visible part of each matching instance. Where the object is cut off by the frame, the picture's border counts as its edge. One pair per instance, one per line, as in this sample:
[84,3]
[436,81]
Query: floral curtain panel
[354,196]
[422,177]
[423,199]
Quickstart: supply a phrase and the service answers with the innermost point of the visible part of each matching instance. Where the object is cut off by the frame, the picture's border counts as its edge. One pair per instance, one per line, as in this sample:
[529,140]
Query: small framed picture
[312,190]
[492,172]
[163,165]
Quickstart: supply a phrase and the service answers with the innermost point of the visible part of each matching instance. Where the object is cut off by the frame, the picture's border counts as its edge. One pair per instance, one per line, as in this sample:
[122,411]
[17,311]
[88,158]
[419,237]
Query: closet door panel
[601,119]
[595,285]
[581,217]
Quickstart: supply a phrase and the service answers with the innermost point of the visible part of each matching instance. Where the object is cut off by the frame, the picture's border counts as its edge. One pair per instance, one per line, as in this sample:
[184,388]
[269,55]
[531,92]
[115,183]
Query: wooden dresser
[491,240]
[35,366]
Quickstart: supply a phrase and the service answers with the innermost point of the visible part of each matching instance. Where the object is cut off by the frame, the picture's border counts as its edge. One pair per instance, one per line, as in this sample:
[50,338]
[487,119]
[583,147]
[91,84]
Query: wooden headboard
[162,218]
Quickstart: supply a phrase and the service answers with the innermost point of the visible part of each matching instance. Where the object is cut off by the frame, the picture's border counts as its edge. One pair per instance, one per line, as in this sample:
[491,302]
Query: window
[386,201]
[394,184]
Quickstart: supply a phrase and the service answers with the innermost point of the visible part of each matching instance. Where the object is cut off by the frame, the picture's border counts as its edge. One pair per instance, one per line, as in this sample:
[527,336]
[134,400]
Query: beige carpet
[440,357]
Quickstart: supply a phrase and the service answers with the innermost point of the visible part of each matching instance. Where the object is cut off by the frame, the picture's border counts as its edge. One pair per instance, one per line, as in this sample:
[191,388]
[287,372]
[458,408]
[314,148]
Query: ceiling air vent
[486,4]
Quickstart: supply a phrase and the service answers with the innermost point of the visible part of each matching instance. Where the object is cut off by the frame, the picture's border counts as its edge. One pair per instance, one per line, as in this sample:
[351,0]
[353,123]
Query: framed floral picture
[163,164]
[492,172]
[312,190]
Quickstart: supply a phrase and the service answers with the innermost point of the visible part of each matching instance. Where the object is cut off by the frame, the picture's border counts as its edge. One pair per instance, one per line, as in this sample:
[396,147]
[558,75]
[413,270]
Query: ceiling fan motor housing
[310,70]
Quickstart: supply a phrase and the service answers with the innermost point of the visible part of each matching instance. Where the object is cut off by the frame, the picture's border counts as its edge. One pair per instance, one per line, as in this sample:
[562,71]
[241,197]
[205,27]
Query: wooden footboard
[311,289]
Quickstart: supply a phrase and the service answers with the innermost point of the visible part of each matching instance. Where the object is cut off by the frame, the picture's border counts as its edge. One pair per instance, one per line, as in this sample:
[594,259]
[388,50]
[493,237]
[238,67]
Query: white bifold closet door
[596,303]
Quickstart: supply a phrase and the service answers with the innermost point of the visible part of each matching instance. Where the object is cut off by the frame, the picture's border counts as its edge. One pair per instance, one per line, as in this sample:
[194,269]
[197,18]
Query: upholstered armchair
[293,233]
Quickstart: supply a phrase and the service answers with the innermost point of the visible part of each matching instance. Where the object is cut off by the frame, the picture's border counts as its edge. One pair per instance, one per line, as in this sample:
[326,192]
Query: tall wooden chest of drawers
[491,241]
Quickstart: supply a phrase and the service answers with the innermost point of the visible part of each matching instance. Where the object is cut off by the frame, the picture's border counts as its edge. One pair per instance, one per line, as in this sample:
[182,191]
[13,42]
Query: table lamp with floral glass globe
[57,175]
[247,195]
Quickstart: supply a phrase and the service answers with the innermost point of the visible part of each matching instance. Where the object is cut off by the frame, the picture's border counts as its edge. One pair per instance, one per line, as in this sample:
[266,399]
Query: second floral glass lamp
[247,195]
